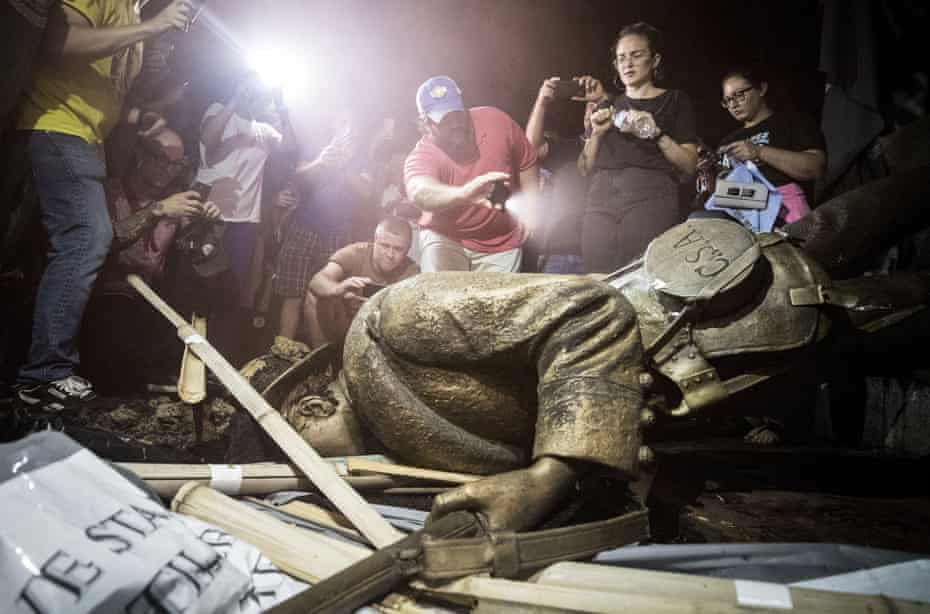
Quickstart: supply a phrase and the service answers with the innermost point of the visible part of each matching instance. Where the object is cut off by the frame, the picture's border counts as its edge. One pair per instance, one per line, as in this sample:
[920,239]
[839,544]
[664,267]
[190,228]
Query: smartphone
[500,193]
[568,88]
[371,288]
[202,189]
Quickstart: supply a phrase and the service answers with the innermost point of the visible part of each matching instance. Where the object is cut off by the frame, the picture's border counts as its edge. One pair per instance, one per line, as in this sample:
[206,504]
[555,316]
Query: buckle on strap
[507,554]
[506,550]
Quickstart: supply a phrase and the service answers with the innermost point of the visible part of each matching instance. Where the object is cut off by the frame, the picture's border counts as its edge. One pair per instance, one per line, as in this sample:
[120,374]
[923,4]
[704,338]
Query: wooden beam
[359,465]
[349,502]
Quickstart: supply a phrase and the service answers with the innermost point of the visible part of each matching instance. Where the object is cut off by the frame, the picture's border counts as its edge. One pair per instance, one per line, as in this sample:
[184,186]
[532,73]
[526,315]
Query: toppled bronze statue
[536,380]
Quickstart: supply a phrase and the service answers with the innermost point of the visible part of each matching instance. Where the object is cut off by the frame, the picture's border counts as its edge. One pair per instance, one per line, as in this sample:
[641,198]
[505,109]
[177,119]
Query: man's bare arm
[430,194]
[327,283]
[69,35]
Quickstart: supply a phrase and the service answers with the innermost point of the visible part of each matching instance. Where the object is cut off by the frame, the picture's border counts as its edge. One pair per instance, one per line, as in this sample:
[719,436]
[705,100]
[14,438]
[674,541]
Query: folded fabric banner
[78,537]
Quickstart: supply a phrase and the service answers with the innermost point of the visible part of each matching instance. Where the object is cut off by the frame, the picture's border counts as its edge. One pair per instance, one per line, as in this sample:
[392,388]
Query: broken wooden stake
[324,477]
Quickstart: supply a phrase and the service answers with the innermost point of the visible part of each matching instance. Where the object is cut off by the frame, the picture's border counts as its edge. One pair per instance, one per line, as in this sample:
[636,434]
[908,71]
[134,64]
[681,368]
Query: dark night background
[373,54]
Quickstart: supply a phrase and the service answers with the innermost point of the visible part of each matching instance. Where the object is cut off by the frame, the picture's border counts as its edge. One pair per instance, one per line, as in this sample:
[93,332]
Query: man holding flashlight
[92,53]
[451,175]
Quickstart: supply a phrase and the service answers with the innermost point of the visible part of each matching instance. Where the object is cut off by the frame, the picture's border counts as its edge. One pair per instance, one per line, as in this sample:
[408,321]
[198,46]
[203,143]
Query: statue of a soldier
[536,380]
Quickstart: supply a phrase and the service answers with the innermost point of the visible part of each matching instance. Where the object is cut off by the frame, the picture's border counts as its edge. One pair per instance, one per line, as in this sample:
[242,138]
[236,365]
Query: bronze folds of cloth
[483,373]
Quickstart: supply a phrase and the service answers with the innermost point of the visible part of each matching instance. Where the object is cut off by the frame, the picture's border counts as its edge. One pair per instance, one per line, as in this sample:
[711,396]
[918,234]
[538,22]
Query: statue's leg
[574,337]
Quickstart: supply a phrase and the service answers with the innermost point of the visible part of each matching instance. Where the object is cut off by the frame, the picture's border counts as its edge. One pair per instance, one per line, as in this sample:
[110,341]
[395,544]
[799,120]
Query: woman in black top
[788,148]
[634,168]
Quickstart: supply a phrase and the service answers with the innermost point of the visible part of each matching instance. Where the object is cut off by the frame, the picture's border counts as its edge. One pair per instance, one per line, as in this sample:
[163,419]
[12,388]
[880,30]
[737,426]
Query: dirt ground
[710,490]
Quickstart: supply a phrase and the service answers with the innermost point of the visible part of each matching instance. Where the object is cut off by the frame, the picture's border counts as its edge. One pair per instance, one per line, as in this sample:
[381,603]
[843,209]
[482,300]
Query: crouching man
[353,274]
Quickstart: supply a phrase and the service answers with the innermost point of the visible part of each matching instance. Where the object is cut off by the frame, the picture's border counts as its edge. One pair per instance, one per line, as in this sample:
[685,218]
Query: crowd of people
[245,221]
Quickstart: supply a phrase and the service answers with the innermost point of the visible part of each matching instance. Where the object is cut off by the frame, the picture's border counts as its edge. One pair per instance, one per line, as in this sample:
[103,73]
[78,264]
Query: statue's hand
[516,500]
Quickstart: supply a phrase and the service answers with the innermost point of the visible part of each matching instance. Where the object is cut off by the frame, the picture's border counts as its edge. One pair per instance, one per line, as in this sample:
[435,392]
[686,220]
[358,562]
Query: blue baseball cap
[438,96]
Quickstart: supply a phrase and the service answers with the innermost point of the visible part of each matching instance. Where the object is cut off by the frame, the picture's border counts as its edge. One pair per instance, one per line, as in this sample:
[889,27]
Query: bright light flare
[282,67]
[519,206]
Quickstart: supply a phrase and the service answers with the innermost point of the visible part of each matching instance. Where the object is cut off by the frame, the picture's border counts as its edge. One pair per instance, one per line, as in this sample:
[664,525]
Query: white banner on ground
[77,537]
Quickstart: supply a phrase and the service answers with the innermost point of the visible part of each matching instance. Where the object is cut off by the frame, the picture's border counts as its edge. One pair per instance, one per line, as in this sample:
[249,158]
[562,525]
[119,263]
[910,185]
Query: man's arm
[70,35]
[430,194]
[128,230]
[211,133]
[330,282]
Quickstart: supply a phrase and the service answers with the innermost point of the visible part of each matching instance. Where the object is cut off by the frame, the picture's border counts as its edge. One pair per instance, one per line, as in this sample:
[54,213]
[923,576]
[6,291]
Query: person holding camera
[123,337]
[788,148]
[561,186]
[91,54]
[638,146]
[452,173]
[352,275]
[236,139]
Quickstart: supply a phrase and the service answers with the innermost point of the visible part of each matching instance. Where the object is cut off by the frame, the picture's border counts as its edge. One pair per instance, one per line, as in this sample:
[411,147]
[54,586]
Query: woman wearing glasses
[788,148]
[638,146]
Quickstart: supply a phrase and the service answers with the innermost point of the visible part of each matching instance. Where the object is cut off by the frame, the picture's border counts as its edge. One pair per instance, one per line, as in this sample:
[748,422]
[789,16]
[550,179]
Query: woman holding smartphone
[637,147]
[788,148]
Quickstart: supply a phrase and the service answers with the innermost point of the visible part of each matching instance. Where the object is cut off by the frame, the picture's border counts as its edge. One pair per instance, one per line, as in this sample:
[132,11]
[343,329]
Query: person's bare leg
[290,317]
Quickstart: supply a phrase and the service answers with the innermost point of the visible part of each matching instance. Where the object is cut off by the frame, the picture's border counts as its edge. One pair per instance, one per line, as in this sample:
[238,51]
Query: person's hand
[513,501]
[334,155]
[593,89]
[351,288]
[742,150]
[547,91]
[151,124]
[601,121]
[210,211]
[176,15]
[478,190]
[640,124]
[287,198]
[179,205]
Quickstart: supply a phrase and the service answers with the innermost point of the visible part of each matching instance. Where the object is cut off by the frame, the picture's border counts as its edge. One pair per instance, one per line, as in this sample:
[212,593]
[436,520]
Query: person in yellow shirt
[91,54]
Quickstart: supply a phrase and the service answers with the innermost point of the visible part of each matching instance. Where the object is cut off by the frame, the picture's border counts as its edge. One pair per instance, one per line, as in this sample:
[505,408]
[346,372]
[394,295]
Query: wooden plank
[254,479]
[611,594]
[347,500]
[318,515]
[358,465]
[192,381]
[304,554]
[727,593]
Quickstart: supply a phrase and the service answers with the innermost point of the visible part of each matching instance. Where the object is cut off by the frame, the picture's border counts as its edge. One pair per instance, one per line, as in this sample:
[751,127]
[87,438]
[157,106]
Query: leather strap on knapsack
[508,554]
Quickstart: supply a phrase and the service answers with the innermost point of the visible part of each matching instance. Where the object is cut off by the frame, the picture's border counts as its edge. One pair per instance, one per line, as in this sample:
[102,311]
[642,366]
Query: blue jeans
[69,176]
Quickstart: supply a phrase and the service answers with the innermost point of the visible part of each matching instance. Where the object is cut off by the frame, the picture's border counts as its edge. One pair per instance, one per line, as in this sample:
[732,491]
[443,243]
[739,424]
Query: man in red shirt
[451,173]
